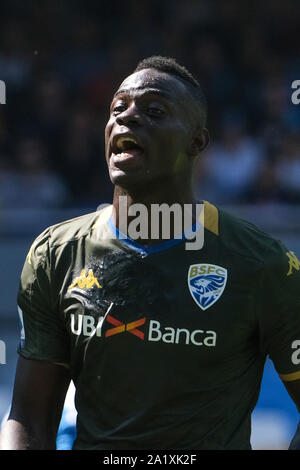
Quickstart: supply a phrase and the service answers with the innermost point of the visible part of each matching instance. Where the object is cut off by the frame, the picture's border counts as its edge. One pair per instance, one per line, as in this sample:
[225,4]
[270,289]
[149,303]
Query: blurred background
[61,61]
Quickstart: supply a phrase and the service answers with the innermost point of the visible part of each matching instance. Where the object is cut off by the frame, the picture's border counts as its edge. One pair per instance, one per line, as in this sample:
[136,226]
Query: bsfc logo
[206,283]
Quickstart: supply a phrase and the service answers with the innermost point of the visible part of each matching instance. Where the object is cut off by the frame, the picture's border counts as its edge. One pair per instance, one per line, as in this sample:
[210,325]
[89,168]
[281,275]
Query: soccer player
[166,346]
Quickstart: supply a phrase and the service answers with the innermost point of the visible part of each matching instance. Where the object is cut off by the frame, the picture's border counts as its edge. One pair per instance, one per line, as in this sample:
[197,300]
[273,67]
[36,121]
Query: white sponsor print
[172,335]
[88,326]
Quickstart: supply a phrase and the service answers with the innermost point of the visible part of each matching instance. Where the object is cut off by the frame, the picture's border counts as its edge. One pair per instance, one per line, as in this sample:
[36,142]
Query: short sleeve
[280,311]
[43,334]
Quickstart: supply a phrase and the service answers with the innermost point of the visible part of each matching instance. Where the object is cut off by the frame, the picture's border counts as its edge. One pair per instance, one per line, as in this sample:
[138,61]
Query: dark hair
[171,66]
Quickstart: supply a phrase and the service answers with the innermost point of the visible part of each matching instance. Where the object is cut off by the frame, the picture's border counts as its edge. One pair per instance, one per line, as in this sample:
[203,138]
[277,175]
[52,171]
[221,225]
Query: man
[166,346]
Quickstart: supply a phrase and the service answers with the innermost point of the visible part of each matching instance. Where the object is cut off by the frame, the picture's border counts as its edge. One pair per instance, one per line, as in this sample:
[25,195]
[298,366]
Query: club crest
[206,283]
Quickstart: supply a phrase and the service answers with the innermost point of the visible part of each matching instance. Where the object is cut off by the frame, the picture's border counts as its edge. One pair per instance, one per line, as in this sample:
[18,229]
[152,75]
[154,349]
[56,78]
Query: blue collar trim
[152,248]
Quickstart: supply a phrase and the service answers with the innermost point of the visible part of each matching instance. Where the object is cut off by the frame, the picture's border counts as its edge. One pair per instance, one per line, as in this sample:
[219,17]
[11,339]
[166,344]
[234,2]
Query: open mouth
[126,147]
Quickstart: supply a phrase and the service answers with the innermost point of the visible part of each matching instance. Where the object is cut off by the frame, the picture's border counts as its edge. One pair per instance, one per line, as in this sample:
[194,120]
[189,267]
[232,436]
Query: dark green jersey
[166,346]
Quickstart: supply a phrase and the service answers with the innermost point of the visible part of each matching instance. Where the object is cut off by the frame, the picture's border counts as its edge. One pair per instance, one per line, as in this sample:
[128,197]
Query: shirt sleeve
[280,311]
[43,334]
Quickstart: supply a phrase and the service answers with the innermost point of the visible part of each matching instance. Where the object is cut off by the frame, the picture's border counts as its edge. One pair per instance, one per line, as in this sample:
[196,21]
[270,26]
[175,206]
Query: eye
[155,111]
[118,108]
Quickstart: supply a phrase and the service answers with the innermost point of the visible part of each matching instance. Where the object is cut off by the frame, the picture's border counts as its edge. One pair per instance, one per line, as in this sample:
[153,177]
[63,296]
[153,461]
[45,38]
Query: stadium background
[61,62]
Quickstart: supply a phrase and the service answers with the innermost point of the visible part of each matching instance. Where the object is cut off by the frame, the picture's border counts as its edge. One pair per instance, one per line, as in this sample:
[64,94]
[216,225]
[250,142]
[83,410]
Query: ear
[199,142]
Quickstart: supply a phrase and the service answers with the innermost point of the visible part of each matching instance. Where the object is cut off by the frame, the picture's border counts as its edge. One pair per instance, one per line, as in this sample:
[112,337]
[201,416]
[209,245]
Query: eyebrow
[147,91]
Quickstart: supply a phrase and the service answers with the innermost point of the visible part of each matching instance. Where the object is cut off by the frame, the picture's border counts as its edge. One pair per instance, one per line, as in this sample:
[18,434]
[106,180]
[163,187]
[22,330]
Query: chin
[126,181]
[136,187]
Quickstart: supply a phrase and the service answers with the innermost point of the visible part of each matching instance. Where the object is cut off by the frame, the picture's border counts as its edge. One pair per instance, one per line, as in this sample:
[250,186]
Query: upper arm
[280,314]
[40,383]
[38,397]
[44,335]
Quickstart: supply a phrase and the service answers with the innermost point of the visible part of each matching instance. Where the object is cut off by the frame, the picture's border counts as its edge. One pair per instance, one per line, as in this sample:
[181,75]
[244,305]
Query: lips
[125,150]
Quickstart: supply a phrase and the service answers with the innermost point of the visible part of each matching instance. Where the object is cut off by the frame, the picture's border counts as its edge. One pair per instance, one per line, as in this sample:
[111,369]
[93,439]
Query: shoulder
[67,232]
[72,229]
[248,240]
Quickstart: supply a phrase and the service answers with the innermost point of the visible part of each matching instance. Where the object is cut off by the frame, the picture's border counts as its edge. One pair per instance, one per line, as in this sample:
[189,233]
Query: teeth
[122,140]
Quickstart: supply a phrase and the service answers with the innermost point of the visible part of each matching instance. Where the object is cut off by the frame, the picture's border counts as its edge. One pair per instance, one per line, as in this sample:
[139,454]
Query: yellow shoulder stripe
[211,218]
[290,377]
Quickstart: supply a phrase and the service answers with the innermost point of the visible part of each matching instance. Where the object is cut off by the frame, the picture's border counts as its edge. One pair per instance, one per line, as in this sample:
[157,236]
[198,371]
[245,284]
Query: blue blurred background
[61,62]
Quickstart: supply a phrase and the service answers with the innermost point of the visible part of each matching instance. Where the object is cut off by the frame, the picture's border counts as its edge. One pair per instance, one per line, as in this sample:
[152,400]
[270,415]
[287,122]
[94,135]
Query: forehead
[151,80]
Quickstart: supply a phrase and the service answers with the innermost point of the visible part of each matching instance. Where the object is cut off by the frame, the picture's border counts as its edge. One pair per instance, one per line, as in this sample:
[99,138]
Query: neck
[138,209]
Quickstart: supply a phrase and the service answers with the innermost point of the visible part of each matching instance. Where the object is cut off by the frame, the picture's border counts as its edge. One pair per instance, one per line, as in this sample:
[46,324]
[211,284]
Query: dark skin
[159,111]
[39,393]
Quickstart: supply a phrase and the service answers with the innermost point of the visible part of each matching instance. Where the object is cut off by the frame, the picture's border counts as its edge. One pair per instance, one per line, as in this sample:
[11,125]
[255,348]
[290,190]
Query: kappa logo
[294,263]
[85,281]
[206,283]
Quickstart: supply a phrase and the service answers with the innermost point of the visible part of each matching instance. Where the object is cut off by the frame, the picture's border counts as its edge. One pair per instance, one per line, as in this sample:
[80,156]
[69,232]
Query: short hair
[171,66]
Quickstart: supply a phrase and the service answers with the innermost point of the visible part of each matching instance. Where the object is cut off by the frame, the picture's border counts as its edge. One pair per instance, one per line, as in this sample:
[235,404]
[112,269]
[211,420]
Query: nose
[130,115]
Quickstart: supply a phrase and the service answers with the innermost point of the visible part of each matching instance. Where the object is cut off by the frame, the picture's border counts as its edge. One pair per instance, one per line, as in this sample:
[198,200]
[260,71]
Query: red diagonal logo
[120,327]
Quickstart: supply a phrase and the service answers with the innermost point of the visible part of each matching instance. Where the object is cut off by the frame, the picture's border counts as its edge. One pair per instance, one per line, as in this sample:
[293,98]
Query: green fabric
[152,369]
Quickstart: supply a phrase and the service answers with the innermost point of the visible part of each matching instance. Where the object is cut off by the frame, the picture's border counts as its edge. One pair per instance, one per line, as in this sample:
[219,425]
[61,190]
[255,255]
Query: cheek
[107,133]
[172,149]
[108,128]
[172,142]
